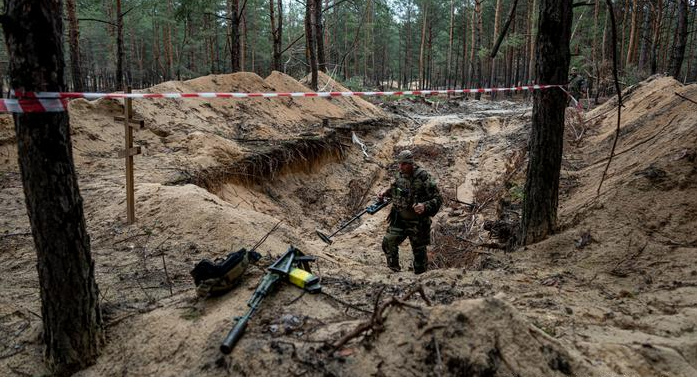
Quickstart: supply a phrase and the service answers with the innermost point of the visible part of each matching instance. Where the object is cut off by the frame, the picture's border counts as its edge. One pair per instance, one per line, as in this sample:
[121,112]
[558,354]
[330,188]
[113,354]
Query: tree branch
[97,20]
[293,43]
[511,14]
[617,88]
[333,5]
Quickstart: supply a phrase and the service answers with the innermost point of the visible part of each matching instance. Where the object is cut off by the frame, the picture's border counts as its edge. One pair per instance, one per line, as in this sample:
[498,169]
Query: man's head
[573,71]
[405,159]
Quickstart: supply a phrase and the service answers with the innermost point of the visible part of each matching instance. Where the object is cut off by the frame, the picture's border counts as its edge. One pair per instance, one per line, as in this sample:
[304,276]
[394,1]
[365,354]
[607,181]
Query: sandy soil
[613,293]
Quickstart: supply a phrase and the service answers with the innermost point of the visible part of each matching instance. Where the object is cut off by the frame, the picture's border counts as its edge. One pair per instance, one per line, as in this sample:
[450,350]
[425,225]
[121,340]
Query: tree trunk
[407,53]
[450,45]
[243,40]
[310,44]
[69,296]
[119,46]
[234,30]
[633,35]
[276,36]
[422,49]
[546,138]
[620,61]
[644,46]
[319,37]
[680,42]
[497,23]
[533,40]
[477,46]
[664,40]
[74,46]
[595,35]
[465,76]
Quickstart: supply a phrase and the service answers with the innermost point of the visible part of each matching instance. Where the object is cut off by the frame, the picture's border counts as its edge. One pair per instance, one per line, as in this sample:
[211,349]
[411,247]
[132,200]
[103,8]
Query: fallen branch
[617,88]
[377,320]
[511,15]
[685,98]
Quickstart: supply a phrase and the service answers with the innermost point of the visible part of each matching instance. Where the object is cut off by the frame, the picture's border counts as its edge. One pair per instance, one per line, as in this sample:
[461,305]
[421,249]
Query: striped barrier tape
[36,102]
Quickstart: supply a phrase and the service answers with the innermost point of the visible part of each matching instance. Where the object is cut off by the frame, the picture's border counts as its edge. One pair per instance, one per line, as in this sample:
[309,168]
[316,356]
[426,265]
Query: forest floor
[613,293]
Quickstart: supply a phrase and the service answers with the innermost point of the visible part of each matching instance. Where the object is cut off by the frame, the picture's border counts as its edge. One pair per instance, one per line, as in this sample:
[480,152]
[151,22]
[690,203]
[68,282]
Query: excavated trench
[319,181]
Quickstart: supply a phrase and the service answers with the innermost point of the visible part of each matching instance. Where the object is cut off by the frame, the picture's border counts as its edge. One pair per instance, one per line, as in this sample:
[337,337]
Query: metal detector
[371,209]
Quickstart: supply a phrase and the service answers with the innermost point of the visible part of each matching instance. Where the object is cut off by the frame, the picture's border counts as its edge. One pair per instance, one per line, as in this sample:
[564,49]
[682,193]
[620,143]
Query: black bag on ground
[220,276]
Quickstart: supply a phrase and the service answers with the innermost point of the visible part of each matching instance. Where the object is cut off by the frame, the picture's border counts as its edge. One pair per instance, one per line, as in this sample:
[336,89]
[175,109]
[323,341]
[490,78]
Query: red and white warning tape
[33,102]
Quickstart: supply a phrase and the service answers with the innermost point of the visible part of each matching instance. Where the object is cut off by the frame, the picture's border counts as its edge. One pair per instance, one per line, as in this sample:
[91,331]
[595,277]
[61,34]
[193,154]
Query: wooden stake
[130,195]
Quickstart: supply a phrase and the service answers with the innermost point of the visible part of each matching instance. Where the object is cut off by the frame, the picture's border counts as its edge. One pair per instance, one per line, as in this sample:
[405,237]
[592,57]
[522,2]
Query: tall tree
[319,37]
[276,34]
[310,41]
[680,42]
[233,14]
[546,138]
[119,46]
[74,43]
[422,48]
[655,40]
[69,303]
[449,63]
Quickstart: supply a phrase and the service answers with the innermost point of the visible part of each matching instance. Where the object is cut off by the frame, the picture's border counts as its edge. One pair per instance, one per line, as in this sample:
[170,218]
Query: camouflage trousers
[419,234]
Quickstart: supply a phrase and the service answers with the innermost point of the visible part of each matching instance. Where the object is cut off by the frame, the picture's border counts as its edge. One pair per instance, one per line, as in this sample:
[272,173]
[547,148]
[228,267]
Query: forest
[406,44]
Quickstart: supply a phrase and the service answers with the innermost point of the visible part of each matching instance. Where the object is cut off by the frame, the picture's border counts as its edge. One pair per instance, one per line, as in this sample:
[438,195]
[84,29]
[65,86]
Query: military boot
[393,264]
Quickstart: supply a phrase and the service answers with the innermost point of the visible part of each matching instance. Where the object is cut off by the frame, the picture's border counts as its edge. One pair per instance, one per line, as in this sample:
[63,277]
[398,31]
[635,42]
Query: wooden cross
[129,151]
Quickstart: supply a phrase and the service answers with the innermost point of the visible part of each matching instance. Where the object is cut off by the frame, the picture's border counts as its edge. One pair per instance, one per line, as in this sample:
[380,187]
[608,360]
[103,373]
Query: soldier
[415,199]
[577,84]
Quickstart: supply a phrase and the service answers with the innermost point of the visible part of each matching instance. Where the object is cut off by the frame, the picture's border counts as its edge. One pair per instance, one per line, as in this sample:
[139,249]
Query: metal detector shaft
[371,209]
[354,218]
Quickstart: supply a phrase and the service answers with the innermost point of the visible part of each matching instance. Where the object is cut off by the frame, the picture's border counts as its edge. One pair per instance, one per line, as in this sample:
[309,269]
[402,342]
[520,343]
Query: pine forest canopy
[365,43]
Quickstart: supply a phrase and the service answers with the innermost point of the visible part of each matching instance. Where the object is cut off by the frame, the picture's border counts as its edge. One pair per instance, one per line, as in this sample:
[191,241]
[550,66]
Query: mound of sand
[355,105]
[485,337]
[319,107]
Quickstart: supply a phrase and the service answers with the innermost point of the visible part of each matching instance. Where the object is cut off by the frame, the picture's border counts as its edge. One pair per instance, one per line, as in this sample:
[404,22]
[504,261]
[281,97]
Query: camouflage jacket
[417,188]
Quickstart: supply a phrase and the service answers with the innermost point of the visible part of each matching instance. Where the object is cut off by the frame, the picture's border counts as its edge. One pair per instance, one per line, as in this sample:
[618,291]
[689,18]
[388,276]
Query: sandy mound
[319,107]
[485,337]
[355,105]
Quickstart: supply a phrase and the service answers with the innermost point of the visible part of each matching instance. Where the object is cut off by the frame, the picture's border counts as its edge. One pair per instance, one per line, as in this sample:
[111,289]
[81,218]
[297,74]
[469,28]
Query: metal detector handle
[377,206]
[354,218]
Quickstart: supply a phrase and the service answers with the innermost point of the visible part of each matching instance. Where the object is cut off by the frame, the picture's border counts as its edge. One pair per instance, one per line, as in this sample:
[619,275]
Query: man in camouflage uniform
[415,199]
[577,85]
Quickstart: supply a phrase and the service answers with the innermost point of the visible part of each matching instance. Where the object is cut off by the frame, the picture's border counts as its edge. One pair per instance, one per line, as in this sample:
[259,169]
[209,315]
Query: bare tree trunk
[168,41]
[465,75]
[594,39]
[310,44]
[407,53]
[234,37]
[625,14]
[497,23]
[664,40]
[450,44]
[119,46]
[477,46]
[546,138]
[645,41]
[243,41]
[69,295]
[74,33]
[422,50]
[319,37]
[533,40]
[680,42]
[633,35]
[276,36]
